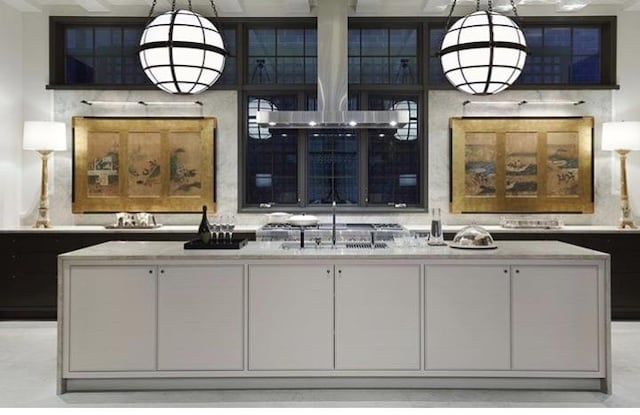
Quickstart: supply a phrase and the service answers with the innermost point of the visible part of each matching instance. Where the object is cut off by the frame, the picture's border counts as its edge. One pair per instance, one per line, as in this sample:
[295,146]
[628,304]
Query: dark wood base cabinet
[625,263]
[29,264]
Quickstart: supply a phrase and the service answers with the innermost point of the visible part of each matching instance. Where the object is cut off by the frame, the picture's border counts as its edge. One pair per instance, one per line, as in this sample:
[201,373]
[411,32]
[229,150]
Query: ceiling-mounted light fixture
[182,52]
[484,52]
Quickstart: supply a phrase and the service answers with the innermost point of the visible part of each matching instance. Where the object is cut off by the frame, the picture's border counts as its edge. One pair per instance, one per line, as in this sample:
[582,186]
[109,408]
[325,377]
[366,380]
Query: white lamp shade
[624,135]
[44,135]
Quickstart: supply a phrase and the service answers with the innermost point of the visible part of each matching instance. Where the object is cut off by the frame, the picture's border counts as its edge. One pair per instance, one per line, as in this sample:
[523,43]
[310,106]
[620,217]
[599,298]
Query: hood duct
[333,82]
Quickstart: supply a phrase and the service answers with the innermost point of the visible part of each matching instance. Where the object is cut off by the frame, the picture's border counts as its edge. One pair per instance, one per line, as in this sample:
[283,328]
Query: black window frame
[608,26]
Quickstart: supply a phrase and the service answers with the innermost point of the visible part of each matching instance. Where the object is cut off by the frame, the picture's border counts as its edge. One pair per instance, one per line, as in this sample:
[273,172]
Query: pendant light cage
[484,52]
[182,52]
[410,131]
[256,131]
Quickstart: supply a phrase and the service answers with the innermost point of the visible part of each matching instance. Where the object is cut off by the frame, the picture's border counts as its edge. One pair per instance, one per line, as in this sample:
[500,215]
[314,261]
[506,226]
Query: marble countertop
[253,228]
[521,250]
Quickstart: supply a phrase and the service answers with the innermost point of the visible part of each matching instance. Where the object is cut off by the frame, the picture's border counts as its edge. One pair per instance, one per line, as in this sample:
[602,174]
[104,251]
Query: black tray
[225,244]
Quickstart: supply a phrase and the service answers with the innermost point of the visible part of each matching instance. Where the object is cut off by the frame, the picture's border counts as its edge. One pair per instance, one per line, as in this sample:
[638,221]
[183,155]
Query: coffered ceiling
[305,7]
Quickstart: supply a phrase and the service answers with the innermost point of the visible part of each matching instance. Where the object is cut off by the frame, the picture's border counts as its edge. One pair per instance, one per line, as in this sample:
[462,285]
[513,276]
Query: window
[282,56]
[310,168]
[383,56]
[103,53]
[562,52]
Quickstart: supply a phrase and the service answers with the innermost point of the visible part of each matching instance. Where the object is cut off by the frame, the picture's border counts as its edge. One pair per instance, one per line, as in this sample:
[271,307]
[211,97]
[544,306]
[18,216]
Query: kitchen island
[151,315]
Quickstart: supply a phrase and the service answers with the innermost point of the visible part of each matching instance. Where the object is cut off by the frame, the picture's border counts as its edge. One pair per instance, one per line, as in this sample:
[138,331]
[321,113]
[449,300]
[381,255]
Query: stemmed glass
[224,226]
[215,227]
[231,225]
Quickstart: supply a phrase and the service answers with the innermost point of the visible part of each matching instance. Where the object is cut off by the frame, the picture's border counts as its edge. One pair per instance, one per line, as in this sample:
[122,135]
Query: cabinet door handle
[328,271]
[161,271]
[150,271]
[517,271]
[506,271]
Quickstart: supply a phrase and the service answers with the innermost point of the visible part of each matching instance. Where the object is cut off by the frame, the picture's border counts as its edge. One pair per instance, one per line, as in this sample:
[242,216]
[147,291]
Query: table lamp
[44,137]
[622,137]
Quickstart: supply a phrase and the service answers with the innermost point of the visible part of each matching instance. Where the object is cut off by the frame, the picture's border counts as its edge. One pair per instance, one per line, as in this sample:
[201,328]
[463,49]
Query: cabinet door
[378,317]
[112,318]
[555,317]
[467,317]
[290,317]
[200,312]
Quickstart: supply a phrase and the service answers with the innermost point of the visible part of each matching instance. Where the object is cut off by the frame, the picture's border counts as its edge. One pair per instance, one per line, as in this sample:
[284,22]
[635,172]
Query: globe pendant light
[484,52]
[182,52]
[255,131]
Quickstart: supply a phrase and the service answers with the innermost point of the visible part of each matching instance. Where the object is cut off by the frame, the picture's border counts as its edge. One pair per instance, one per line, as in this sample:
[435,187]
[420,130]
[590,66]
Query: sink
[340,245]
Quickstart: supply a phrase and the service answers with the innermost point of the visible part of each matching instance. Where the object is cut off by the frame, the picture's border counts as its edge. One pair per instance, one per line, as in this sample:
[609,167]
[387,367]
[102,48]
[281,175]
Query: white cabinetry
[555,317]
[290,317]
[467,317]
[112,318]
[200,317]
[378,317]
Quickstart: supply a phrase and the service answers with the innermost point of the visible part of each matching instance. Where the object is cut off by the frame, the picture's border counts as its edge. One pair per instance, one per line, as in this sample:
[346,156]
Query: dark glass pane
[403,42]
[354,70]
[332,167]
[132,72]
[311,42]
[586,41]
[229,38]
[108,70]
[585,69]
[131,40]
[108,41]
[354,42]
[262,70]
[79,41]
[533,35]
[229,72]
[79,70]
[375,70]
[436,76]
[290,71]
[271,165]
[404,70]
[557,37]
[290,42]
[375,42]
[262,42]
[394,156]
[310,70]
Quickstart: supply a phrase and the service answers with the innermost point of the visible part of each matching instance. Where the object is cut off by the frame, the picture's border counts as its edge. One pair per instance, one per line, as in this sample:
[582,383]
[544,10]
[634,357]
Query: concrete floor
[28,367]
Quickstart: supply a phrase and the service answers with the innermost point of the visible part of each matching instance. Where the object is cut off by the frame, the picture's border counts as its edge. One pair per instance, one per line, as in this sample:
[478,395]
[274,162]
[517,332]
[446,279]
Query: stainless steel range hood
[333,83]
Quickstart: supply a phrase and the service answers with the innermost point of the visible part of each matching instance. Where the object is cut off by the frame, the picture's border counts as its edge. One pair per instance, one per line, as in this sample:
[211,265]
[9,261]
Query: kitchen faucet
[333,224]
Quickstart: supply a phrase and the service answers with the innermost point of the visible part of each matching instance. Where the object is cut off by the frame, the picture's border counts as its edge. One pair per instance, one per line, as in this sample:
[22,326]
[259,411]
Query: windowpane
[108,41]
[291,70]
[383,56]
[79,70]
[290,42]
[272,155]
[79,41]
[394,156]
[332,167]
[262,42]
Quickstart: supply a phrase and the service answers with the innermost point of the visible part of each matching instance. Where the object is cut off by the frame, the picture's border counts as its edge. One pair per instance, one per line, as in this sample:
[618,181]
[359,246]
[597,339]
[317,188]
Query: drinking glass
[231,225]
[215,227]
[224,226]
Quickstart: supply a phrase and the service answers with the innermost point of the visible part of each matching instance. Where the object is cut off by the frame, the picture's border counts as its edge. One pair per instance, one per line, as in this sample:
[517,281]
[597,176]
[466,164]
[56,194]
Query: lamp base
[627,223]
[43,219]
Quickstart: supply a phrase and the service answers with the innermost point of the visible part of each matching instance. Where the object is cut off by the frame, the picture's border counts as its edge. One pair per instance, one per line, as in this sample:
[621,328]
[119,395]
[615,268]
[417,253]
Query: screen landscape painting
[521,165]
[143,164]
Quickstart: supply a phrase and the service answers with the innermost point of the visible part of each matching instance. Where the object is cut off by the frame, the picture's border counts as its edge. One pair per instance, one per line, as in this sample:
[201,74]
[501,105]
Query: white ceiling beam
[25,6]
[229,6]
[631,5]
[94,6]
[436,5]
[572,5]
[368,6]
[298,6]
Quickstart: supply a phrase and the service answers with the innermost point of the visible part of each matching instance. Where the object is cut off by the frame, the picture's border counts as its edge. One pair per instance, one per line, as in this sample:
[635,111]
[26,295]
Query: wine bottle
[204,230]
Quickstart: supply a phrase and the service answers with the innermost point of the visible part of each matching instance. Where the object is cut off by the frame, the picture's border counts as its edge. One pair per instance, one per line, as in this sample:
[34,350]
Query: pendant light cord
[453,6]
[153,6]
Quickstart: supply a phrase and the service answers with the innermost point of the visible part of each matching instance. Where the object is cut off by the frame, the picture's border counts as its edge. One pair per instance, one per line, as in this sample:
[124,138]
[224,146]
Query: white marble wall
[442,106]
